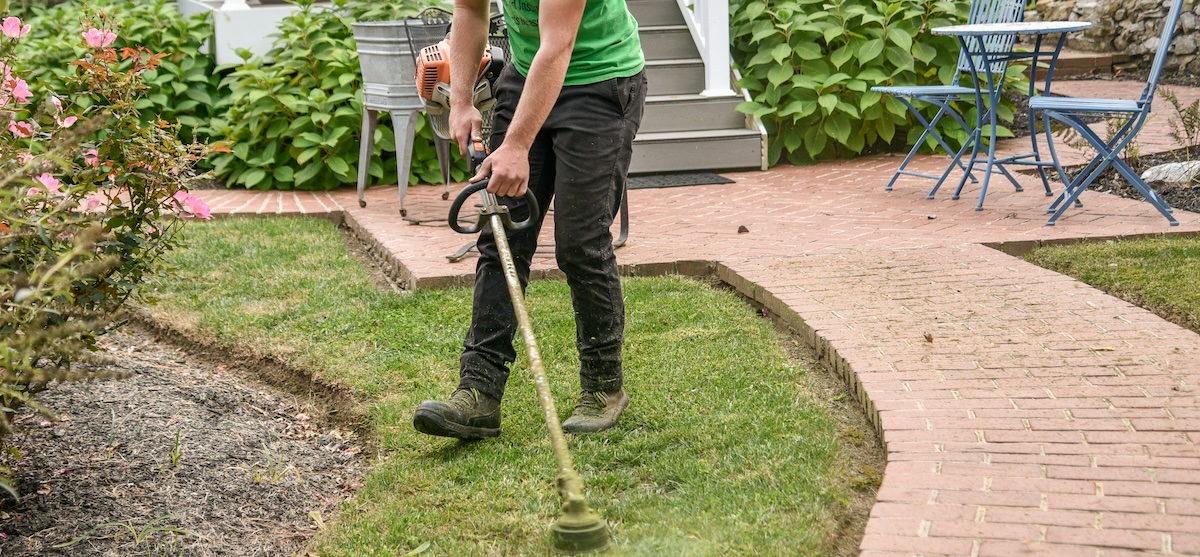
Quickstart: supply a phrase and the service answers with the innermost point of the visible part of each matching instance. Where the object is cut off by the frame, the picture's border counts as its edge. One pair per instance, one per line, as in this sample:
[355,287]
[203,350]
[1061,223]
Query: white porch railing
[708,21]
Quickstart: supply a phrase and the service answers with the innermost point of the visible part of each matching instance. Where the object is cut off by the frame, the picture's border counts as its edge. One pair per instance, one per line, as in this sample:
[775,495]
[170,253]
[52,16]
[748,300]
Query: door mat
[675,180]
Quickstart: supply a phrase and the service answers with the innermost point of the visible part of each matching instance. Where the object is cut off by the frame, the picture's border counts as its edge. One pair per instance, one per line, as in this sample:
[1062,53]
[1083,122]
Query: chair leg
[929,130]
[1147,192]
[1037,157]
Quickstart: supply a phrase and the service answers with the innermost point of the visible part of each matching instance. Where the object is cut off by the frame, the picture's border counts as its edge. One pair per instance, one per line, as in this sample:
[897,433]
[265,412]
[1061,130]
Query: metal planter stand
[387,55]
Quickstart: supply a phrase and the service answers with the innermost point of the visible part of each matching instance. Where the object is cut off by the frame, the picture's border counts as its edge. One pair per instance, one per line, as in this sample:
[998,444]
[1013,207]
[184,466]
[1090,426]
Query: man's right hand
[466,125]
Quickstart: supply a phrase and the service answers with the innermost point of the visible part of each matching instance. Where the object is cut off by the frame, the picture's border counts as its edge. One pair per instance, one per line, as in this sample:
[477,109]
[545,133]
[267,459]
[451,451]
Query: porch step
[666,113]
[679,76]
[697,150]
[666,42]
[649,13]
[682,130]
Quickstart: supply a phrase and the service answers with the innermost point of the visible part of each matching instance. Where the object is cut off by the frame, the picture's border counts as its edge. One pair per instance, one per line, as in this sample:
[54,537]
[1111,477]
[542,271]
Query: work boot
[467,415]
[596,411]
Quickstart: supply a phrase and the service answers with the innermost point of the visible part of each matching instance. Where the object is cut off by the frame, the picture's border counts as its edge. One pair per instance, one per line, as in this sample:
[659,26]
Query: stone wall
[1132,27]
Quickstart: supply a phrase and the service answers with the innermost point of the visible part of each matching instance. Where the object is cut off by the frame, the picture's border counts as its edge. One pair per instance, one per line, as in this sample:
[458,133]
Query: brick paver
[1023,412]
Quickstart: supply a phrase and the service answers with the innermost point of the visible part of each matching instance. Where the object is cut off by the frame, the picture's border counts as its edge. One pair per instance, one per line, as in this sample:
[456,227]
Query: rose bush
[91,196]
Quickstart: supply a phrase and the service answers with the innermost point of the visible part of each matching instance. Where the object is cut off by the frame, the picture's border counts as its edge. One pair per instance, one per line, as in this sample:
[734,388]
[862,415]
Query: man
[568,106]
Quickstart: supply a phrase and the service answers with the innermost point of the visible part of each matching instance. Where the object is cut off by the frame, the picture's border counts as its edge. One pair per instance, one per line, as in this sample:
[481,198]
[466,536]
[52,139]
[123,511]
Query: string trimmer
[433,87]
[580,529]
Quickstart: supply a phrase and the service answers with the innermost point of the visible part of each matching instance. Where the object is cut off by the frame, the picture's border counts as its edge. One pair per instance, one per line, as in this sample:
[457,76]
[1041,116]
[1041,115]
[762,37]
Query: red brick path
[1044,417]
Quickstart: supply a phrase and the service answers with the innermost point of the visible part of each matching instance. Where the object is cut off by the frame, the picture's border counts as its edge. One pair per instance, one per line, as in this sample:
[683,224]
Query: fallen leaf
[928,337]
[1104,348]
[743,230]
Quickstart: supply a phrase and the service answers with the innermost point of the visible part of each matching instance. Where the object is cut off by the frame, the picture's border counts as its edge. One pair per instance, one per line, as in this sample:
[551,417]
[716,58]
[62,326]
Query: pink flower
[91,203]
[21,129]
[33,192]
[97,38]
[57,103]
[20,89]
[90,157]
[67,122]
[192,206]
[49,181]
[11,26]
[24,157]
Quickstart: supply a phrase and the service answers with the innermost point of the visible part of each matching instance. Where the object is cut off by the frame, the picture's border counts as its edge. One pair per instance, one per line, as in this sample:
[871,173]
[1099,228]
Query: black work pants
[578,162]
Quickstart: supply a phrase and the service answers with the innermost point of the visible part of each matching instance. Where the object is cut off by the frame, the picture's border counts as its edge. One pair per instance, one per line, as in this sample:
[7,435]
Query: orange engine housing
[433,66]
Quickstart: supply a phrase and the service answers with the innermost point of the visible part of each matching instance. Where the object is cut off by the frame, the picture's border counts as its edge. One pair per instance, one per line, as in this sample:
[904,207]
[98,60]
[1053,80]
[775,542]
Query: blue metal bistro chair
[942,96]
[1073,111]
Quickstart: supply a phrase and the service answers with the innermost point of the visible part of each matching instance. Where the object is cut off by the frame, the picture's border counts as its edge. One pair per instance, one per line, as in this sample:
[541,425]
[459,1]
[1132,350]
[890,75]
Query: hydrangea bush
[91,197]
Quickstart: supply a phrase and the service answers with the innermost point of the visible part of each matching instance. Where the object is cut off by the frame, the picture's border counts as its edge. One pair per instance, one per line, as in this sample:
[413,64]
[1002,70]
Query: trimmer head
[579,530]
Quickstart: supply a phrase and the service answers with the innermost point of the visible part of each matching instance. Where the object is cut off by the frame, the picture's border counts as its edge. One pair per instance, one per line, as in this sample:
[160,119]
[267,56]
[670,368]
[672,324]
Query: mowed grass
[723,451]
[1161,274]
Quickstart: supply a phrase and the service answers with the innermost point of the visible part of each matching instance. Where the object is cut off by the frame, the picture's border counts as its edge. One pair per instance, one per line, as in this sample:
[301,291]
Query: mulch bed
[188,456]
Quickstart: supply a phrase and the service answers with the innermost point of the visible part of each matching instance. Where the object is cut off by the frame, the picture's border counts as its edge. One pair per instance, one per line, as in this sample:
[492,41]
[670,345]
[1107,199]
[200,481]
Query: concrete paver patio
[1043,418]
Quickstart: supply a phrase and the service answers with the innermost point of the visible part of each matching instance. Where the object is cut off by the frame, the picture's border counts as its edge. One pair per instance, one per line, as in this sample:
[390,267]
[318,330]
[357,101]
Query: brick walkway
[1045,417]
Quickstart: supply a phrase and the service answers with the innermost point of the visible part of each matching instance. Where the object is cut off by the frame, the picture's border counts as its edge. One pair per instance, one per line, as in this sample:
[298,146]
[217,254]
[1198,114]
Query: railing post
[708,21]
[715,17]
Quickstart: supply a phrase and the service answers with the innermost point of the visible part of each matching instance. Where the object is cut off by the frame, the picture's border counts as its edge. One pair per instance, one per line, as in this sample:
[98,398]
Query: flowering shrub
[90,196]
[182,87]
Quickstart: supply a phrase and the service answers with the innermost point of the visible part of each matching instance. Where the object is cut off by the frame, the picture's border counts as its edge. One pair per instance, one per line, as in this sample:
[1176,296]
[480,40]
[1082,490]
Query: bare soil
[188,456]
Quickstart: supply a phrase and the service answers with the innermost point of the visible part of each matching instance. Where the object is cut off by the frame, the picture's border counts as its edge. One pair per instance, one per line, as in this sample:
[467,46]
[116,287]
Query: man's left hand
[508,170]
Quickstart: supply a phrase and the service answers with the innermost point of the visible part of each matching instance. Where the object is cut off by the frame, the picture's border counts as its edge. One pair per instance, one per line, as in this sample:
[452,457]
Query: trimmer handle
[477,153]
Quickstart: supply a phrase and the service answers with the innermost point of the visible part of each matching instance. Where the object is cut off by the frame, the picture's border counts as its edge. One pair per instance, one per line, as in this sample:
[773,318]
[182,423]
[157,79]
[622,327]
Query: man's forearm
[468,37]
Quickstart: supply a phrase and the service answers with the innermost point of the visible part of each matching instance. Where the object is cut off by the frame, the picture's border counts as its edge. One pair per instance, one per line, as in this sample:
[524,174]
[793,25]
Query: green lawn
[722,451]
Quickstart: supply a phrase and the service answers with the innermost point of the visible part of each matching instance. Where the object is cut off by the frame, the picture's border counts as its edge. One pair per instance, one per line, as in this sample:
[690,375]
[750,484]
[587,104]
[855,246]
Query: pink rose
[20,89]
[57,103]
[51,183]
[91,203]
[33,192]
[67,122]
[11,27]
[192,206]
[97,38]
[21,129]
[24,157]
[90,158]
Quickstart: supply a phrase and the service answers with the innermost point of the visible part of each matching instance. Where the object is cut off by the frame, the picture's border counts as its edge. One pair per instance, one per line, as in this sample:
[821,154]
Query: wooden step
[681,76]
[666,42]
[697,150]
[655,12]
[665,113]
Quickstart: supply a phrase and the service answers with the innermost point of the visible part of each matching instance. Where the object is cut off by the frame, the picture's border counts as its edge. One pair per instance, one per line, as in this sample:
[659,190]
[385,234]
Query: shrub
[295,123]
[88,198]
[182,87]
[809,66]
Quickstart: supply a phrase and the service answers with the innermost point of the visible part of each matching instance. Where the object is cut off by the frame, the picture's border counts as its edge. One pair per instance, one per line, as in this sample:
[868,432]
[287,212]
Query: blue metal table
[979,42]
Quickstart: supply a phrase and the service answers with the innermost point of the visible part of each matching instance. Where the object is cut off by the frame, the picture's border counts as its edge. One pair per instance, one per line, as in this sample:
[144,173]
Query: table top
[1017,28]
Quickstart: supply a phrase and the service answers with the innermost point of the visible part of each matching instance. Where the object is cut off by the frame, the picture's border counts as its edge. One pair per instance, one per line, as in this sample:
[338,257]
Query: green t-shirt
[607,45]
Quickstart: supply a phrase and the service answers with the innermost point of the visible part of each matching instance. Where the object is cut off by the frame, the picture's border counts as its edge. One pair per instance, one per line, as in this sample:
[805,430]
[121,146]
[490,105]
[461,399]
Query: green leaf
[780,74]
[283,174]
[308,154]
[828,102]
[339,166]
[870,50]
[841,56]
[755,9]
[780,53]
[900,38]
[252,177]
[307,173]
